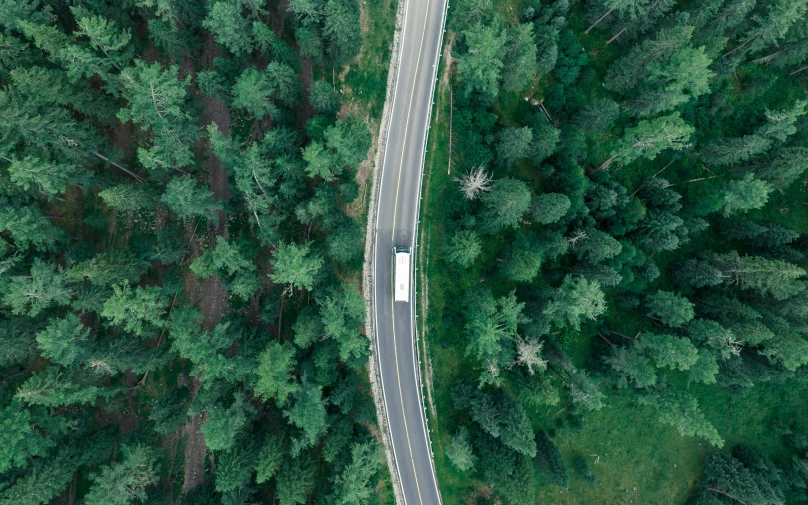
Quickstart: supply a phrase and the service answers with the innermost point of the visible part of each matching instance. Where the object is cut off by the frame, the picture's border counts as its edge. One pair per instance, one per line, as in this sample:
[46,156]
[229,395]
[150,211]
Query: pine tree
[342,30]
[463,248]
[295,265]
[44,287]
[731,151]
[549,208]
[682,411]
[125,482]
[64,341]
[672,309]
[230,27]
[524,261]
[633,367]
[270,457]
[323,97]
[597,116]
[155,101]
[649,138]
[308,413]
[354,486]
[28,227]
[514,144]
[274,368]
[480,69]
[187,199]
[784,167]
[342,313]
[49,178]
[296,480]
[519,61]
[136,311]
[504,205]
[460,452]
[21,441]
[668,351]
[223,425]
[575,300]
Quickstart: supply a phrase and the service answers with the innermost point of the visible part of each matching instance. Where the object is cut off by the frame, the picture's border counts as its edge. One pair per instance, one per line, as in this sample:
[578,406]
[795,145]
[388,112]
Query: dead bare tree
[528,354]
[576,237]
[475,182]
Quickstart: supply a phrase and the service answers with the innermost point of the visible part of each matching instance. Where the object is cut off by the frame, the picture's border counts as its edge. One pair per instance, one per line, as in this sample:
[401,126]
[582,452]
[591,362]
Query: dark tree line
[174,253]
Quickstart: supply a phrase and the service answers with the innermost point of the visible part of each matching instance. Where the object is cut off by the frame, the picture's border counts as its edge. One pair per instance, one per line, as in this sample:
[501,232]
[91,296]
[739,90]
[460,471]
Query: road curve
[396,226]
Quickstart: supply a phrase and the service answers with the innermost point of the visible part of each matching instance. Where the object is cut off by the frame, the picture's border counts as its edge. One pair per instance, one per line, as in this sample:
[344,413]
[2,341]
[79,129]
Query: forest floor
[213,296]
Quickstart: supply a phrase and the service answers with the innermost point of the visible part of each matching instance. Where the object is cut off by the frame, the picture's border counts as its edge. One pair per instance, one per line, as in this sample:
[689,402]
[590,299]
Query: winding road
[398,204]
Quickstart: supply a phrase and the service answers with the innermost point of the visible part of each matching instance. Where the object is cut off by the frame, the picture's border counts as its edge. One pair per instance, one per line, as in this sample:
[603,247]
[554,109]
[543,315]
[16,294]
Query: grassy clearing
[636,459]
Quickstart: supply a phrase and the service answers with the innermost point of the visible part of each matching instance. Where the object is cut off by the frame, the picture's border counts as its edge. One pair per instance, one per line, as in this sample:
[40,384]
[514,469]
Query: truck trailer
[401,275]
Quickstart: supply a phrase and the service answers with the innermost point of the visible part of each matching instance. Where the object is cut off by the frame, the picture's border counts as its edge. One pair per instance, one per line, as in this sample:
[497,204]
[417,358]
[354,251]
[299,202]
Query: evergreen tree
[682,411]
[295,265]
[342,31]
[354,486]
[519,61]
[745,194]
[784,167]
[64,341]
[480,68]
[463,248]
[48,178]
[731,151]
[514,144]
[342,313]
[597,116]
[548,208]
[44,287]
[187,199]
[274,368]
[125,482]
[308,413]
[230,27]
[21,441]
[460,452]
[649,138]
[504,205]
[156,98]
[575,300]
[323,97]
[223,425]
[672,309]
[668,351]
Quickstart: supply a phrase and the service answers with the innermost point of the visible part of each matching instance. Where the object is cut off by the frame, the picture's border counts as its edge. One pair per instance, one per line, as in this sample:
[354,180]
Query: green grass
[367,80]
[636,459]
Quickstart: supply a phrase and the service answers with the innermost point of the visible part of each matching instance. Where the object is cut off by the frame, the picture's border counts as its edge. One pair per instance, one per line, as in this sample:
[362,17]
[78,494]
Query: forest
[182,218]
[614,240]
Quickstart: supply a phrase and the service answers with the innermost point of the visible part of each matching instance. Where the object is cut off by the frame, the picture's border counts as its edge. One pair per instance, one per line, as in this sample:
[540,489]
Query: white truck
[401,275]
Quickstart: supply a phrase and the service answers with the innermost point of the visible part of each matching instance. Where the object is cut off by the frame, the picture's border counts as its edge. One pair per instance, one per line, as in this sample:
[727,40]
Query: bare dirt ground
[212,295]
[305,111]
[195,451]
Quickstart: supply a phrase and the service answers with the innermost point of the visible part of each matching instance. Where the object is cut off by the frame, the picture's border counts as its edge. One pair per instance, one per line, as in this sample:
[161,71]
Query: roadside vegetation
[182,215]
[615,261]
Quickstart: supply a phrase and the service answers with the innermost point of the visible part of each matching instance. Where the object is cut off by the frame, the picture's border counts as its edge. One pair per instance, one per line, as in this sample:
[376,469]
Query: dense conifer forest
[616,258]
[182,212]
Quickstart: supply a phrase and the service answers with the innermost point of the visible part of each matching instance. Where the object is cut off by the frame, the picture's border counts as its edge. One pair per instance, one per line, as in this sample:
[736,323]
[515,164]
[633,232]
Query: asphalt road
[396,226]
